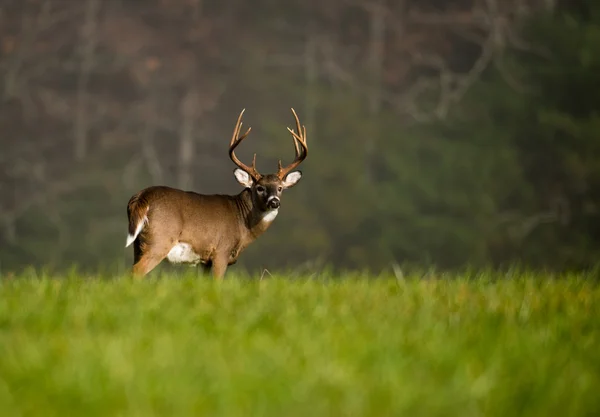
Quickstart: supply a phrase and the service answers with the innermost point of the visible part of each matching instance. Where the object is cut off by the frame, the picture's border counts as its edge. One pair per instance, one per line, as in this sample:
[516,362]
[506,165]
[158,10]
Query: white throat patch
[270,215]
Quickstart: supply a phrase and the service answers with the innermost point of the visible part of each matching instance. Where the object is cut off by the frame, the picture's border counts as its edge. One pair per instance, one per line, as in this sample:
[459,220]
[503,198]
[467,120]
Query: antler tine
[236,139]
[299,145]
[301,131]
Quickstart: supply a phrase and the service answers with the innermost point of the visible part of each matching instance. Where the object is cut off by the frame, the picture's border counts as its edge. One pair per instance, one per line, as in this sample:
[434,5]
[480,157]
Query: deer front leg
[219,266]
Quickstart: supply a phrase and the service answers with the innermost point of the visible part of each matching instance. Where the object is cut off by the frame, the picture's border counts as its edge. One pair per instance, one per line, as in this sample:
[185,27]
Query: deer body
[191,228]
[212,230]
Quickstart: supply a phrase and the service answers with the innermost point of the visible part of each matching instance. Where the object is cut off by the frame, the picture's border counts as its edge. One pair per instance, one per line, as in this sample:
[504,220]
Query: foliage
[98,100]
[546,122]
[473,344]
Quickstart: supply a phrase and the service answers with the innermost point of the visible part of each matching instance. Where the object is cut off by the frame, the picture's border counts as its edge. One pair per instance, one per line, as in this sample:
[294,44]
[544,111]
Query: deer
[212,230]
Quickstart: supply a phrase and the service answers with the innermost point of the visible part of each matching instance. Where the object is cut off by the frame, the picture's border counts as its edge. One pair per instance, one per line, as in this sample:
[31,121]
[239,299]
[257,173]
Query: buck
[212,230]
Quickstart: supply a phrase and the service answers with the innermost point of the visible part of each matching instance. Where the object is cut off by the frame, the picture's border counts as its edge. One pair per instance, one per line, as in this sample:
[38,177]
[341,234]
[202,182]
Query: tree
[547,113]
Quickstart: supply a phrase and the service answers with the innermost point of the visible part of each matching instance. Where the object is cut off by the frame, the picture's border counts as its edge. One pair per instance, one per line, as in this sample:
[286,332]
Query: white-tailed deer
[212,230]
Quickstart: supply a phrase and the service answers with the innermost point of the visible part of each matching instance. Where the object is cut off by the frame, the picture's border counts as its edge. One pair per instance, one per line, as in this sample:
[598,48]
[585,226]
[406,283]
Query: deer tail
[137,213]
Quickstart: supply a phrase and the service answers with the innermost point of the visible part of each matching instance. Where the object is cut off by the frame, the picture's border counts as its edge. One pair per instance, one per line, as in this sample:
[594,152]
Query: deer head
[266,189]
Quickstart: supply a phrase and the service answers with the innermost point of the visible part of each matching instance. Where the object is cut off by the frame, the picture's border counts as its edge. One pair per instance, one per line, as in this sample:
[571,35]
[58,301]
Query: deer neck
[256,221]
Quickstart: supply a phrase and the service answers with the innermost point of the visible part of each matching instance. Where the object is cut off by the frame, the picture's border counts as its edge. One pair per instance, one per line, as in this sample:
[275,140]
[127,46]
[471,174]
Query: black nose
[274,203]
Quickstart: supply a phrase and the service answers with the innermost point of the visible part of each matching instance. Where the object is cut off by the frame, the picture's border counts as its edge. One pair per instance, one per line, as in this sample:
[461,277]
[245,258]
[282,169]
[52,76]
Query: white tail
[131,237]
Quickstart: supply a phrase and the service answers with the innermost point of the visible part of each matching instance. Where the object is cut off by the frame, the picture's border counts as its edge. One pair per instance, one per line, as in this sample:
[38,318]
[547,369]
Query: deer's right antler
[300,146]
[236,139]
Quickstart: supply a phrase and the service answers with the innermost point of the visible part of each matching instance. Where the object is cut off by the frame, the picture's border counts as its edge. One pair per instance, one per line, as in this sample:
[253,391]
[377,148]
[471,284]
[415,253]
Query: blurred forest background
[440,132]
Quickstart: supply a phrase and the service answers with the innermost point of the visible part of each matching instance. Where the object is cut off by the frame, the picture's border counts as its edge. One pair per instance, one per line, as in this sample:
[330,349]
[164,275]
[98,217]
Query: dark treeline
[447,133]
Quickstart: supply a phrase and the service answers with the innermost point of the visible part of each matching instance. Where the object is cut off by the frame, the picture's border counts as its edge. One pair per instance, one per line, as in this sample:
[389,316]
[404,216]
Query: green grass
[183,346]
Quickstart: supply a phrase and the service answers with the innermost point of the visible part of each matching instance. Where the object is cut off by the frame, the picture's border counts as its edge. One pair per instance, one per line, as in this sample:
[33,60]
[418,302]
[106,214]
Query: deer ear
[243,177]
[292,179]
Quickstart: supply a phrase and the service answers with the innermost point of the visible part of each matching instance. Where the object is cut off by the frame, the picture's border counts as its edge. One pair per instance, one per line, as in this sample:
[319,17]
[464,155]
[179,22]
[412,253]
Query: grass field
[183,346]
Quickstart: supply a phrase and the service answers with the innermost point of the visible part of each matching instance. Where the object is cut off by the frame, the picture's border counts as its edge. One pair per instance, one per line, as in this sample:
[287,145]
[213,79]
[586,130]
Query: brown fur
[218,227]
[136,210]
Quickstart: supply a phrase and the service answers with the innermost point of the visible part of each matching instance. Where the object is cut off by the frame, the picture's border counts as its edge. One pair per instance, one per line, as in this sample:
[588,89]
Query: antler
[236,139]
[299,144]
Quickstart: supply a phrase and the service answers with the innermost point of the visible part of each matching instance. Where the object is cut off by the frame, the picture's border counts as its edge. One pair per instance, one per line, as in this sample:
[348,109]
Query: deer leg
[137,251]
[205,269]
[146,262]
[219,266]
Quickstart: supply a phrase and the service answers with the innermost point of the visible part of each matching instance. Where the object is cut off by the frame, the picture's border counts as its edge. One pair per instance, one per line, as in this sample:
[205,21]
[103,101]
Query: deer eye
[279,188]
[260,189]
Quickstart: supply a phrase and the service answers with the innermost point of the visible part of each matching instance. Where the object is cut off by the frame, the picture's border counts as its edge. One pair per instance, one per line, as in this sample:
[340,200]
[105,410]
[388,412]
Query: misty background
[440,133]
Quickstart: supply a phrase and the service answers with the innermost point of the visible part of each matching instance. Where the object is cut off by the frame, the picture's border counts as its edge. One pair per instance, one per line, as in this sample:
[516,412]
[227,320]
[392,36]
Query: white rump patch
[138,229]
[270,215]
[183,253]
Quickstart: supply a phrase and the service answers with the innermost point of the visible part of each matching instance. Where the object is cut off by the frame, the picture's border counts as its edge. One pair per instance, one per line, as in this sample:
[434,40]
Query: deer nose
[273,203]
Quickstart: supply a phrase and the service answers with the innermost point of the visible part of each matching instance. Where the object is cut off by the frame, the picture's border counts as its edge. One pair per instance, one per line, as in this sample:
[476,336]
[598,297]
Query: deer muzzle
[273,202]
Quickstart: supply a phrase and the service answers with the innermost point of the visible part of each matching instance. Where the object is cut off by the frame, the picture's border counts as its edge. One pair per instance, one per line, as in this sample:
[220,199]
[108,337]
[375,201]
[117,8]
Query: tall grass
[477,345]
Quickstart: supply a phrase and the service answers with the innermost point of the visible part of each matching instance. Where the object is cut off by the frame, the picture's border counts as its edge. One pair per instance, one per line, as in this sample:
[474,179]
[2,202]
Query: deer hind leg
[137,251]
[146,264]
[205,269]
[146,261]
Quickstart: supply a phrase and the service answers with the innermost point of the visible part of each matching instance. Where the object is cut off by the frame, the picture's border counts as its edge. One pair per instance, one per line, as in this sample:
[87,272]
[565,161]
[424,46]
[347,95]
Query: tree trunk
[311,71]
[377,27]
[148,149]
[87,50]
[189,110]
